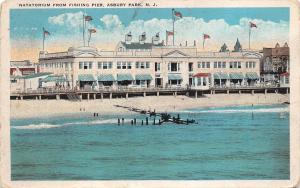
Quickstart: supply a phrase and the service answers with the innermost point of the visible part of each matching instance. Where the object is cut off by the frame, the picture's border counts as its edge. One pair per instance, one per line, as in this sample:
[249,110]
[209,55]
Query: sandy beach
[36,108]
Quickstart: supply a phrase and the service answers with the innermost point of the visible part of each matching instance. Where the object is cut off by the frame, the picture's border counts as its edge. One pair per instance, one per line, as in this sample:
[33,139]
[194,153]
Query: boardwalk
[135,92]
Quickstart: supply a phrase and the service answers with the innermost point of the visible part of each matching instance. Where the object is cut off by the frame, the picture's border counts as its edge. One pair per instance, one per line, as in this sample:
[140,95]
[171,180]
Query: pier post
[157,93]
[101,96]
[88,96]
[240,91]
[196,94]
[134,121]
[122,121]
[159,122]
[252,92]
[36,97]
[287,90]
[126,95]
[80,97]
[57,97]
[276,91]
[144,94]
[228,91]
[175,94]
[154,121]
[94,96]
[21,97]
[266,91]
[142,122]
[110,95]
[40,97]
[118,121]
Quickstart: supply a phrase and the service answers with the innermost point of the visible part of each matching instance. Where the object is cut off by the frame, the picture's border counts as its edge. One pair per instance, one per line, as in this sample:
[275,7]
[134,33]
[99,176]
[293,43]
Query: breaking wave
[262,110]
[49,126]
[37,126]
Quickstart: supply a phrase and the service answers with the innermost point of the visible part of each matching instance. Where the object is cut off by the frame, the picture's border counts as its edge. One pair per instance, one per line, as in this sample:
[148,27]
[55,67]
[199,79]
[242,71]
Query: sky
[224,25]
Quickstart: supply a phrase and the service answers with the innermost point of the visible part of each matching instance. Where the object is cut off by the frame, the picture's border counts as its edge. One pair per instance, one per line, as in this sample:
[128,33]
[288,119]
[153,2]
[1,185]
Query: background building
[275,63]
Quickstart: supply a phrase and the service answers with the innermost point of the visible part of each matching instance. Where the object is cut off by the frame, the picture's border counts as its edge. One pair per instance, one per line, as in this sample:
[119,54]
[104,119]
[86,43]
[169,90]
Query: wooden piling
[131,122]
[118,121]
[146,120]
[134,121]
[154,121]
[122,121]
[142,122]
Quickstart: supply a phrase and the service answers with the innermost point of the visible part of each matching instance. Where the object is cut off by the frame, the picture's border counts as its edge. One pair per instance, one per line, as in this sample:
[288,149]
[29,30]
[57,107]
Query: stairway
[73,97]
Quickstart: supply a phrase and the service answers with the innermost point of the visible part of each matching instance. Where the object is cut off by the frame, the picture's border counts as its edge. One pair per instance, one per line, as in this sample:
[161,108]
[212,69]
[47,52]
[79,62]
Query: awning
[201,75]
[174,77]
[252,76]
[221,76]
[285,74]
[236,76]
[143,77]
[106,78]
[86,78]
[124,77]
[54,78]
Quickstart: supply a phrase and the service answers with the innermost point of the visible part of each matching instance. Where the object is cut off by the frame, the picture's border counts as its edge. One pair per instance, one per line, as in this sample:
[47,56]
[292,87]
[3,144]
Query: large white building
[142,64]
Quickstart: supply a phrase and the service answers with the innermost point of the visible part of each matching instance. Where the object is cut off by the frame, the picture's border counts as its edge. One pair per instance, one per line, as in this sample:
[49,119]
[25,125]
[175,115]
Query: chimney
[142,38]
[128,38]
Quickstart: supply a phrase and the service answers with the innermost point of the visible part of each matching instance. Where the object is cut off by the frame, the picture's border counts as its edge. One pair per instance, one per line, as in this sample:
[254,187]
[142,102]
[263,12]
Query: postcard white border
[294,43]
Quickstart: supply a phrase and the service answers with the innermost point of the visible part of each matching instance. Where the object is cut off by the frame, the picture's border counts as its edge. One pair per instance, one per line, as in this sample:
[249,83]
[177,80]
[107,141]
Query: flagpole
[173,17]
[203,42]
[166,38]
[249,35]
[43,39]
[89,38]
[83,40]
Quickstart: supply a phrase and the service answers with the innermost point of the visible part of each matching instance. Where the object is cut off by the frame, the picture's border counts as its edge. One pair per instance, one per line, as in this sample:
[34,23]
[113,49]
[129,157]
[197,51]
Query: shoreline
[50,108]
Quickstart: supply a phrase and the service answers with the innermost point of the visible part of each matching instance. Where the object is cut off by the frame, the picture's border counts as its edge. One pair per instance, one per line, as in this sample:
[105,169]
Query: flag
[46,33]
[169,33]
[92,30]
[177,14]
[206,36]
[252,25]
[88,18]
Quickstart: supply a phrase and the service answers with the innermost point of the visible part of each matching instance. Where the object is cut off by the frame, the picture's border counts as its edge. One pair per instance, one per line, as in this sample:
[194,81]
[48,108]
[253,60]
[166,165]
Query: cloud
[111,30]
[67,19]
[111,22]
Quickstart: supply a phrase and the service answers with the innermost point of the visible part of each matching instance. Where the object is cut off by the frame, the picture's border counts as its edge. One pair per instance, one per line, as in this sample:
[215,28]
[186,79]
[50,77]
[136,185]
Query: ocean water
[225,143]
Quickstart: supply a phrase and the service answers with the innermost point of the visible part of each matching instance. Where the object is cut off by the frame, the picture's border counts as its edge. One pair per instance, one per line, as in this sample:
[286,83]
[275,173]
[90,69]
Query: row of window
[232,64]
[173,66]
[65,65]
[250,64]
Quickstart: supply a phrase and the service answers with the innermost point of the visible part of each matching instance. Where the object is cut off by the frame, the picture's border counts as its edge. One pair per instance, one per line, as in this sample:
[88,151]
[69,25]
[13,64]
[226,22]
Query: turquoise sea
[228,143]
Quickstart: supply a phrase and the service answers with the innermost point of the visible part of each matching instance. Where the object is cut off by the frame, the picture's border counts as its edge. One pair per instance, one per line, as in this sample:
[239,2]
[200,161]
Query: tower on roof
[224,48]
[286,45]
[277,45]
[237,46]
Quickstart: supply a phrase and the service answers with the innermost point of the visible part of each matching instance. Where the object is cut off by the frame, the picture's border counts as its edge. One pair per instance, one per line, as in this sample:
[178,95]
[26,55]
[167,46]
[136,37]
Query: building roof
[237,46]
[137,45]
